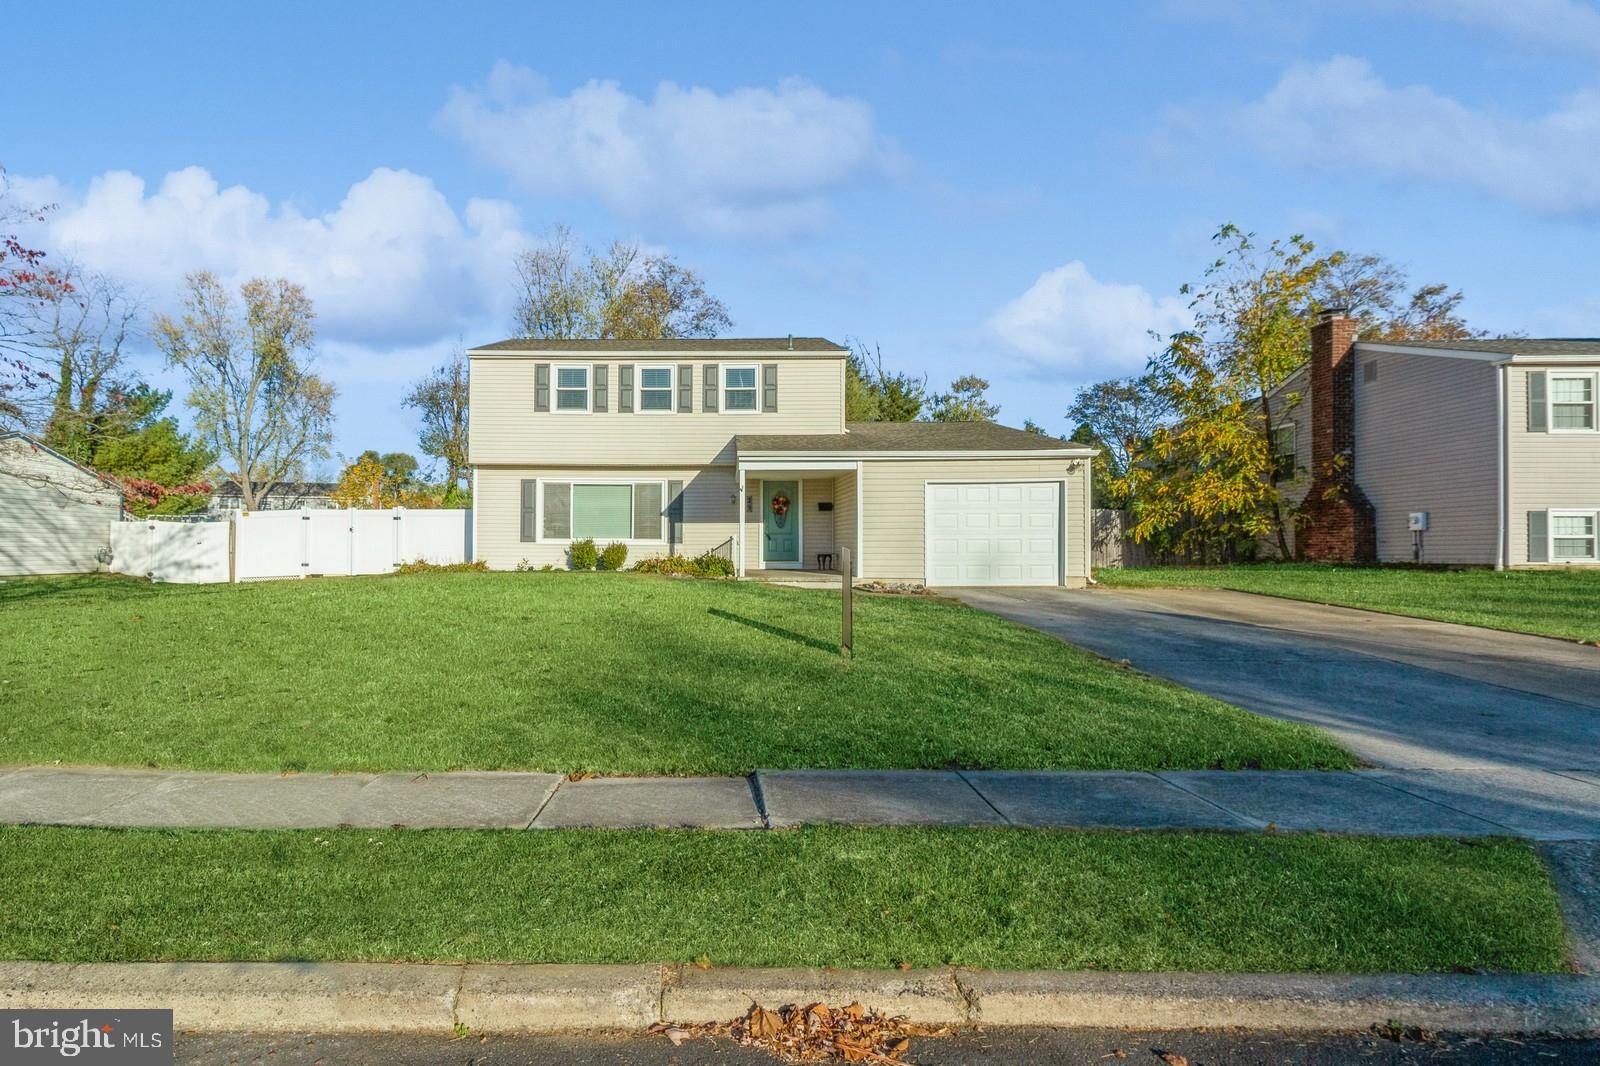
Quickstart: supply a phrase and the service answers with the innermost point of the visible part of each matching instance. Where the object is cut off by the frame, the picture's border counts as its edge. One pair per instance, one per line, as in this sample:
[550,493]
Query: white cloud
[1341,115]
[1562,25]
[393,263]
[749,162]
[1070,322]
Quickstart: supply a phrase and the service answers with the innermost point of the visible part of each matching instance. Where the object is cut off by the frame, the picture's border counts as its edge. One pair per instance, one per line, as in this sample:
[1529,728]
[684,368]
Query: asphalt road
[1398,692]
[1091,1046]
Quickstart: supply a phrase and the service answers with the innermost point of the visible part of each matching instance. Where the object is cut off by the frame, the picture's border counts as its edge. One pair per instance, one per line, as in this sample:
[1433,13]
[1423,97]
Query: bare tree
[255,399]
[623,293]
[1373,290]
[27,285]
[440,399]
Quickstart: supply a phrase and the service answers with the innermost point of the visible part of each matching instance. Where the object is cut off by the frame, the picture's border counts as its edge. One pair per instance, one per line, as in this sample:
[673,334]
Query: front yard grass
[823,896]
[609,673]
[1552,603]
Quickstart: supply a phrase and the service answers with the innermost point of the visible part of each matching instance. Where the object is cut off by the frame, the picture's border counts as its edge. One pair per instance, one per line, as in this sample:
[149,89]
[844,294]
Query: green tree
[257,403]
[1120,417]
[622,293]
[965,402]
[1206,479]
[153,447]
[872,393]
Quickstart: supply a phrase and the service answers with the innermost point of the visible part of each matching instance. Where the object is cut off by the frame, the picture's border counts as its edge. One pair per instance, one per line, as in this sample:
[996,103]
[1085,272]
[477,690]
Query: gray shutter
[1538,412]
[557,510]
[530,497]
[1539,535]
[685,388]
[541,387]
[769,387]
[674,514]
[647,510]
[625,388]
[602,388]
[710,388]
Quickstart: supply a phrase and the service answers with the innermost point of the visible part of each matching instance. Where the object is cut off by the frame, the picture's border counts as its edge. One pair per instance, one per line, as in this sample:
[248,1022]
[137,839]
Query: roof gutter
[967,453]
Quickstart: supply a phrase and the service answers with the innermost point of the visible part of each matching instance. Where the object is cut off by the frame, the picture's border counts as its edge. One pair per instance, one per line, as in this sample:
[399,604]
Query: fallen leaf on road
[1172,1058]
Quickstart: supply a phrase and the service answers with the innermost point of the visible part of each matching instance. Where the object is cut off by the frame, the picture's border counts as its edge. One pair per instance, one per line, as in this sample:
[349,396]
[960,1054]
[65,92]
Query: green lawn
[610,673]
[1006,898]
[1555,603]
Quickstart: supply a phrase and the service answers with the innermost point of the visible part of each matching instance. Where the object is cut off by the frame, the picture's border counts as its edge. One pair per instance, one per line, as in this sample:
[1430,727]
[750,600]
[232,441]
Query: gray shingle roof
[1510,345]
[709,345]
[908,437]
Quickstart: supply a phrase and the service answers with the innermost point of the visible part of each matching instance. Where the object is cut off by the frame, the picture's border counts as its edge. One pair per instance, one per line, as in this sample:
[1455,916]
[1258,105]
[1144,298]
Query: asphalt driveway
[1398,692]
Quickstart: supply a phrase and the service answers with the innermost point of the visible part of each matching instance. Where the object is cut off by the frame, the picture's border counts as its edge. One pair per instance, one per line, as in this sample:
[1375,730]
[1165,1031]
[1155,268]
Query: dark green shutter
[647,510]
[769,387]
[530,497]
[625,388]
[557,510]
[1538,413]
[674,514]
[541,387]
[602,388]
[710,388]
[1539,535]
[685,388]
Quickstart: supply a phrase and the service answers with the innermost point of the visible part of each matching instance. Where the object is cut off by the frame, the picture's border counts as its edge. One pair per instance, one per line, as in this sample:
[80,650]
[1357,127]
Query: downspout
[475,506]
[1503,465]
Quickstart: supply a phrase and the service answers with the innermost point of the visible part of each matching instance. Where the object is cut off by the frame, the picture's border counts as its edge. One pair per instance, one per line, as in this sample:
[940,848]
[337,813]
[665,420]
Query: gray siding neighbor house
[1492,446]
[55,515]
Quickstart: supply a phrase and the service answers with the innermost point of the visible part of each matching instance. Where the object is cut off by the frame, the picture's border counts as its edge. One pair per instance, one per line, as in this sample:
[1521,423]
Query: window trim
[1294,452]
[754,390]
[538,516]
[1552,376]
[671,390]
[1591,513]
[556,390]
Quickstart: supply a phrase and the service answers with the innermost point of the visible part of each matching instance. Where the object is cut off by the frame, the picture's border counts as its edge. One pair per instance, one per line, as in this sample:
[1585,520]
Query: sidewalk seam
[1255,823]
[1465,814]
[986,801]
[545,803]
[455,995]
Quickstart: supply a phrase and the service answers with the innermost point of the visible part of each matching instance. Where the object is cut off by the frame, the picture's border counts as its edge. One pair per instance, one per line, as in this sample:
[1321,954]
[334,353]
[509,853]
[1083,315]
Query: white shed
[55,515]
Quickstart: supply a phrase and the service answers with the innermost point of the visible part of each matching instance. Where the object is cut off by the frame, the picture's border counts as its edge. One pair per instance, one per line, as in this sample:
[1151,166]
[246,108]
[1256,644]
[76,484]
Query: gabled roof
[780,346]
[862,438]
[1514,348]
[230,487]
[105,479]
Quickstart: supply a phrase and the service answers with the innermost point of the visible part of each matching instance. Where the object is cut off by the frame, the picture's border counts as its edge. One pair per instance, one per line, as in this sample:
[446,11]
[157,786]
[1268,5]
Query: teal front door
[780,522]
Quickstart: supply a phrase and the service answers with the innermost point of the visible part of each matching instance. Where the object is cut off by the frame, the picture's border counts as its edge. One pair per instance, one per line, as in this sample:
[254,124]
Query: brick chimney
[1339,522]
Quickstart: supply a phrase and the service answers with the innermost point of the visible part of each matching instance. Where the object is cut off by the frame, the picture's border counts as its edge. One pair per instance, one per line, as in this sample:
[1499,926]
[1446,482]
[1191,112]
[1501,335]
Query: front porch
[806,579]
[795,517]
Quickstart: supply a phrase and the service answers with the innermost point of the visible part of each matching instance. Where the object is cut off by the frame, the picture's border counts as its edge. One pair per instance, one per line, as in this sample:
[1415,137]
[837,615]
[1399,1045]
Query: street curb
[440,998]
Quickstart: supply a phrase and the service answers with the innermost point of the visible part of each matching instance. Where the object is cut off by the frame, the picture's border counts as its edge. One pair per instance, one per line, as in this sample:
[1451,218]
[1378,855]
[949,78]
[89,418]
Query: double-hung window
[603,510]
[739,389]
[1572,402]
[572,388]
[655,388]
[1283,444]
[1572,536]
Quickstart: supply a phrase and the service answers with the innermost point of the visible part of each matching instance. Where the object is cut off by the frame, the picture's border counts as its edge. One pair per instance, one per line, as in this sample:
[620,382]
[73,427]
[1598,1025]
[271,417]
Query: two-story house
[741,446]
[1476,451]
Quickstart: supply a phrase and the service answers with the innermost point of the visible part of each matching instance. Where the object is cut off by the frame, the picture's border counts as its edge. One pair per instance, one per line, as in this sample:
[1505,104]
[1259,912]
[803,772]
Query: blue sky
[1015,190]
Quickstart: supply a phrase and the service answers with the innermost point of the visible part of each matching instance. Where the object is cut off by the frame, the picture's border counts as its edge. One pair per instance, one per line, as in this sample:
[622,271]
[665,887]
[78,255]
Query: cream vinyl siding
[709,516]
[1559,471]
[507,430]
[894,503]
[54,517]
[1425,440]
[844,513]
[818,525]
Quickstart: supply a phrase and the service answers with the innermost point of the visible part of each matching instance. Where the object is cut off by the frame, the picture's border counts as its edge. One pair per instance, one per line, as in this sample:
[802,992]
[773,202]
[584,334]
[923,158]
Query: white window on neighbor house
[572,388]
[1572,402]
[739,392]
[655,388]
[1283,445]
[1572,536]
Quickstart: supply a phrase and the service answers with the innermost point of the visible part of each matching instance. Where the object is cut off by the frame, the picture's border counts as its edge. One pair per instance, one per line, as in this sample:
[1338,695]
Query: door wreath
[780,504]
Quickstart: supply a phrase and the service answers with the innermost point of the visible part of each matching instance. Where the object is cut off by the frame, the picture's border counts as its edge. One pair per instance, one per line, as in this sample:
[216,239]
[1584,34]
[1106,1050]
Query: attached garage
[994,533]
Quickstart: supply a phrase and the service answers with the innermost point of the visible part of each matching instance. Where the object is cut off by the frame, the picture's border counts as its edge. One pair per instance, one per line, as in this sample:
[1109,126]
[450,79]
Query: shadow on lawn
[773,631]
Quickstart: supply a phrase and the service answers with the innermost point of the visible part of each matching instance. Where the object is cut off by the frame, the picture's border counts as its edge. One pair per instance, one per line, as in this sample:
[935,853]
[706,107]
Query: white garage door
[994,533]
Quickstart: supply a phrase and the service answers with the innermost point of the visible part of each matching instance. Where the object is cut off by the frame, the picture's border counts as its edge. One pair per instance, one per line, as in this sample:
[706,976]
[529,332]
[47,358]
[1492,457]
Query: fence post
[233,549]
[847,605]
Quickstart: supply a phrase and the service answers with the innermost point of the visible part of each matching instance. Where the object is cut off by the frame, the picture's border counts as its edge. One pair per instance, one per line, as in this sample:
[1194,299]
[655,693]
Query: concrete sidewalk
[1535,804]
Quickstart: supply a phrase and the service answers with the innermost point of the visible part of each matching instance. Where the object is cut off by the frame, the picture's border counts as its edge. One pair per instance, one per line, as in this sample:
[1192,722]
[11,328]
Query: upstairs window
[655,388]
[1283,444]
[739,389]
[1572,401]
[572,388]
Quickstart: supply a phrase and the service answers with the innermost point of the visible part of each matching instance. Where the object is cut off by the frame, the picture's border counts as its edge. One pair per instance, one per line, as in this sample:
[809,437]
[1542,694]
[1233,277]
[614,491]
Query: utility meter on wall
[1417,521]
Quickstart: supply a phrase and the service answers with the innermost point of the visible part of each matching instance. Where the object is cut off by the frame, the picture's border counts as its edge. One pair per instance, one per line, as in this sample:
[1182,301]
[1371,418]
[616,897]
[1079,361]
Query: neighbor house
[740,446]
[1476,451]
[55,514]
[278,496]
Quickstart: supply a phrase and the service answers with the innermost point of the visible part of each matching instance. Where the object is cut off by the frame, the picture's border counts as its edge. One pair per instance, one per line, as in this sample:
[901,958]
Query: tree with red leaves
[27,283]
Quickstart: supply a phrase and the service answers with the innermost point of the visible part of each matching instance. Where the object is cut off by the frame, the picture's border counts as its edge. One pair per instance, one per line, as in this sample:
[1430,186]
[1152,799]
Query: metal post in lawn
[847,605]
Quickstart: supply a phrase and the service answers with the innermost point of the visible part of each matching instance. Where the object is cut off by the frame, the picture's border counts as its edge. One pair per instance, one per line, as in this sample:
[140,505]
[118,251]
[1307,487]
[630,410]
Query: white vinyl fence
[273,544]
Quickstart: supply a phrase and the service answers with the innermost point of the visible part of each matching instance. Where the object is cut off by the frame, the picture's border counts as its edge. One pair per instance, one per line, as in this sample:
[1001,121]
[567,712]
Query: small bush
[613,556]
[708,565]
[421,566]
[584,555]
[713,565]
